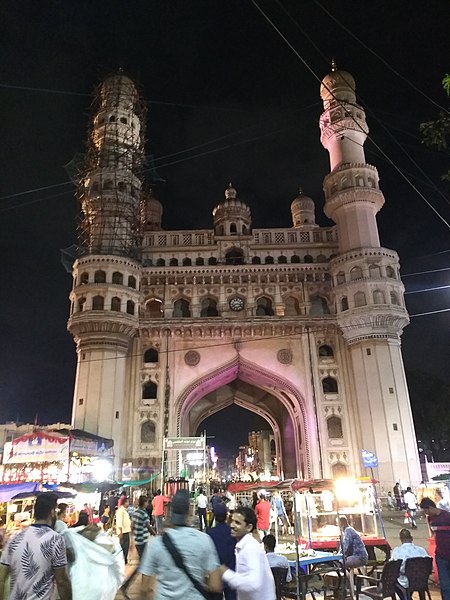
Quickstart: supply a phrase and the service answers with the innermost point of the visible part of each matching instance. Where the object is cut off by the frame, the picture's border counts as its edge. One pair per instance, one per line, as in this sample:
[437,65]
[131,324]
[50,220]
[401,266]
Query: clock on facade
[236,303]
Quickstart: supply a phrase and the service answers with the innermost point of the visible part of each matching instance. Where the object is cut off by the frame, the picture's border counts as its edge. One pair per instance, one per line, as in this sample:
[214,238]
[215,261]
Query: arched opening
[264,307]
[153,309]
[149,390]
[334,428]
[208,308]
[326,351]
[282,260]
[355,273]
[390,272]
[394,298]
[84,279]
[181,308]
[130,307]
[319,306]
[308,258]
[160,262]
[199,261]
[339,470]
[359,299]
[148,432]
[374,272]
[187,262]
[132,282]
[99,277]
[340,278]
[269,260]
[98,303]
[329,385]
[256,260]
[212,260]
[81,304]
[234,256]
[151,355]
[117,278]
[173,262]
[116,303]
[233,229]
[378,297]
[344,303]
[295,259]
[291,307]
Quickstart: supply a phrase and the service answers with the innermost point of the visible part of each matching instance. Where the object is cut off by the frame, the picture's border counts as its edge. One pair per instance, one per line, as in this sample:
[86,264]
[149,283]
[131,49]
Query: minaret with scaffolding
[105,296]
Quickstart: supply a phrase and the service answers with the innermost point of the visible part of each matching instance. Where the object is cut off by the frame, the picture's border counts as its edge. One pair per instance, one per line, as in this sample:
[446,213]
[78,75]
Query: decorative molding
[192,358]
[284,356]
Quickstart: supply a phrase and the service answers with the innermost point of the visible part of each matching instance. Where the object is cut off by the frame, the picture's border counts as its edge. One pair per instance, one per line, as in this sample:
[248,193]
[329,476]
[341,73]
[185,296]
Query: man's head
[62,510]
[158,493]
[405,536]
[125,502]
[408,489]
[429,507]
[180,508]
[143,502]
[262,496]
[220,512]
[200,491]
[343,523]
[269,542]
[45,508]
[243,521]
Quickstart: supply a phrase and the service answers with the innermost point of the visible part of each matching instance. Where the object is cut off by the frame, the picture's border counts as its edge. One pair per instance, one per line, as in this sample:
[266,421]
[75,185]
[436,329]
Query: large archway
[257,390]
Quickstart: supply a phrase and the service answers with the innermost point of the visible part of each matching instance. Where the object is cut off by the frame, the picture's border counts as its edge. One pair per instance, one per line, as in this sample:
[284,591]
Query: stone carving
[192,358]
[284,356]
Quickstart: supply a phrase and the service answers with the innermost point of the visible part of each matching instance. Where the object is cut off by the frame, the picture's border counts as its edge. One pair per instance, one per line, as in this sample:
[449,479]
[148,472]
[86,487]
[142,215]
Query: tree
[436,134]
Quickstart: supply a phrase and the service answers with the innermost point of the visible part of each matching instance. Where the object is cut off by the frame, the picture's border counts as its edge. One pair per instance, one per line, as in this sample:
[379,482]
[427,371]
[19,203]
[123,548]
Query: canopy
[315,484]
[37,493]
[8,491]
[240,486]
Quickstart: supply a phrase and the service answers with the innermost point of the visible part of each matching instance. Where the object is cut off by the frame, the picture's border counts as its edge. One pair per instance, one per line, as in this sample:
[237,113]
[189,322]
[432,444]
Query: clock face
[236,303]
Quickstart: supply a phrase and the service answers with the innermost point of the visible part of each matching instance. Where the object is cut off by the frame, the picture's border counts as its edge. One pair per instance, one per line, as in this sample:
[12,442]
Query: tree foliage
[436,134]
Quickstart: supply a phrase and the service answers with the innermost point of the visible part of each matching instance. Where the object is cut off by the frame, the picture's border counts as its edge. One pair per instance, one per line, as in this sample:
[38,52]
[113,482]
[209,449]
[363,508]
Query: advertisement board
[36,448]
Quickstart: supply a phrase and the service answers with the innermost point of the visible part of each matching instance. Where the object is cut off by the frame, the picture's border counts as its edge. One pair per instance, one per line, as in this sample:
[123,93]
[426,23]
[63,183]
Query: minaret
[368,291]
[105,294]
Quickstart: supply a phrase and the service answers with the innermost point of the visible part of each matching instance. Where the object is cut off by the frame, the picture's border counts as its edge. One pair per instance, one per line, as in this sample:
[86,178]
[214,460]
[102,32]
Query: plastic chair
[279,575]
[418,571]
[383,587]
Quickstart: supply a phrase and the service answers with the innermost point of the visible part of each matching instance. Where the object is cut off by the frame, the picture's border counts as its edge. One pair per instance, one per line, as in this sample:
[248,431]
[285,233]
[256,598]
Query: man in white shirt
[406,550]
[275,560]
[202,503]
[253,578]
[123,527]
[410,500]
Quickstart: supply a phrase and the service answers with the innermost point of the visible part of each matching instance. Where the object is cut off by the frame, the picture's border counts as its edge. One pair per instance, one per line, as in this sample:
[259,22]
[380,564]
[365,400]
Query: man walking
[123,526]
[439,522]
[202,503]
[225,543]
[158,502]
[253,578]
[36,557]
[262,510]
[182,561]
[409,499]
[397,496]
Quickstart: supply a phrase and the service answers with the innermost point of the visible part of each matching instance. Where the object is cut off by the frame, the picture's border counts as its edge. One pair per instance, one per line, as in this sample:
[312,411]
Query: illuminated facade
[300,325]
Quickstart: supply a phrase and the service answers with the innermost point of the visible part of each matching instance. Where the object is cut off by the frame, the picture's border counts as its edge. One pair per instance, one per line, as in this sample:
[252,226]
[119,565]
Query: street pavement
[393,522]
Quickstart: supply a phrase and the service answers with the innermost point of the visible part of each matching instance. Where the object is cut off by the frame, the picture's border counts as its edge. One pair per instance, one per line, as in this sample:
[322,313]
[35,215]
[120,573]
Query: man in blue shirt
[224,543]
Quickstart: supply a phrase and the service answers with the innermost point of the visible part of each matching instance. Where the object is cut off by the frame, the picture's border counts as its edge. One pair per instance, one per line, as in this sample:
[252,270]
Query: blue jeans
[443,567]
[160,526]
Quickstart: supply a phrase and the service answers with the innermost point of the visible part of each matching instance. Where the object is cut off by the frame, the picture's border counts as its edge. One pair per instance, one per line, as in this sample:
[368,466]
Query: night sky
[228,101]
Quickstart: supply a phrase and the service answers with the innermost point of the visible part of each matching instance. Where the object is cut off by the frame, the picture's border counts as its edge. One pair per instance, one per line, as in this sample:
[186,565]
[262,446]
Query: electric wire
[342,104]
[432,289]
[425,272]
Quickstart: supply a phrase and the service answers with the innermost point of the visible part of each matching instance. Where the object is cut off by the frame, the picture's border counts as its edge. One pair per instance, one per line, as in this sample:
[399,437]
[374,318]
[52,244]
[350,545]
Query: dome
[232,216]
[118,84]
[338,84]
[303,210]
[302,202]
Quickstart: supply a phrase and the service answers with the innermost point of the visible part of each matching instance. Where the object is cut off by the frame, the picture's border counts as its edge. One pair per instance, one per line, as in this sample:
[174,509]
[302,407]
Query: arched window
[219,230]
[115,304]
[308,258]
[117,278]
[282,260]
[264,307]
[148,435]
[233,229]
[212,260]
[130,307]
[173,262]
[291,307]
[108,185]
[273,448]
[234,256]
[319,306]
[132,282]
[81,303]
[329,385]
[295,258]
[84,278]
[149,390]
[356,273]
[181,308]
[321,258]
[244,230]
[378,297]
[121,186]
[112,119]
[160,262]
[390,272]
[199,261]
[95,187]
[374,271]
[344,303]
[144,281]
[326,351]
[334,426]
[123,120]
[256,260]
[359,299]
[394,298]
[340,278]
[187,262]
[153,309]
[151,355]
[99,277]
[269,260]
[209,308]
[98,303]
[339,470]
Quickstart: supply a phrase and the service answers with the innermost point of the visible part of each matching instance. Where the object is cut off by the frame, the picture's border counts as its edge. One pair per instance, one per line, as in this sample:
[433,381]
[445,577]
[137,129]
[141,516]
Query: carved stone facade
[300,325]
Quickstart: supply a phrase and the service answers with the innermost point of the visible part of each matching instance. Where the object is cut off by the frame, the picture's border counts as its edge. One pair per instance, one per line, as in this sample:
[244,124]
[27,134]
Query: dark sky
[217,77]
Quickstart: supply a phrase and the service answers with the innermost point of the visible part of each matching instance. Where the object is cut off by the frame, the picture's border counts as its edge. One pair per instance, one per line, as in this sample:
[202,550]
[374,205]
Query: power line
[426,272]
[432,289]
[431,312]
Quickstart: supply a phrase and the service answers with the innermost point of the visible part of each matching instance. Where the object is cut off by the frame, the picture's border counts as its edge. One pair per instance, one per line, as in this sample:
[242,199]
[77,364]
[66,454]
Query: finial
[333,65]
[300,190]
[230,192]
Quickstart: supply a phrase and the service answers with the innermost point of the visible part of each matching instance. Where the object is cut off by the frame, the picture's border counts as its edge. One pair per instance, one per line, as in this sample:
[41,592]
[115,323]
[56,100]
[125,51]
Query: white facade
[301,325]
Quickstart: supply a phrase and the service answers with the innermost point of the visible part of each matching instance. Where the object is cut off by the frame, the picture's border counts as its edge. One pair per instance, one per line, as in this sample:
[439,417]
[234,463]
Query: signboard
[370,460]
[185,443]
[87,447]
[36,448]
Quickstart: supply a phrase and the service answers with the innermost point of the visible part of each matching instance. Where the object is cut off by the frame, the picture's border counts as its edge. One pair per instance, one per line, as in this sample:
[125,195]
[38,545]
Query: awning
[8,491]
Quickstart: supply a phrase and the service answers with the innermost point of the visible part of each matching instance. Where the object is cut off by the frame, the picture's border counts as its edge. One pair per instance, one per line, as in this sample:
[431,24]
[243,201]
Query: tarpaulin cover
[255,485]
[8,491]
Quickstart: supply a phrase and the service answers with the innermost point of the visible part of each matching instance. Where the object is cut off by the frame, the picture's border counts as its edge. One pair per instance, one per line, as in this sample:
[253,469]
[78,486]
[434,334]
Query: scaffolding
[110,178]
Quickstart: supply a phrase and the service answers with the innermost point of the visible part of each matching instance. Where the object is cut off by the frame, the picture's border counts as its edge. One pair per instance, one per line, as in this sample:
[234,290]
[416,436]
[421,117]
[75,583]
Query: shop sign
[370,460]
[184,443]
[36,448]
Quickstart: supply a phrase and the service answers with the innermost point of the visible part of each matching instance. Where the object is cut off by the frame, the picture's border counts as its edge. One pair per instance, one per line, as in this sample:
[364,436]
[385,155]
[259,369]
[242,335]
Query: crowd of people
[230,558]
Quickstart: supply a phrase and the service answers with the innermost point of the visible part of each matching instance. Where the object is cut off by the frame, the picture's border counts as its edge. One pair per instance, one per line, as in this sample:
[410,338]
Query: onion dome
[337,85]
[303,210]
[232,217]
